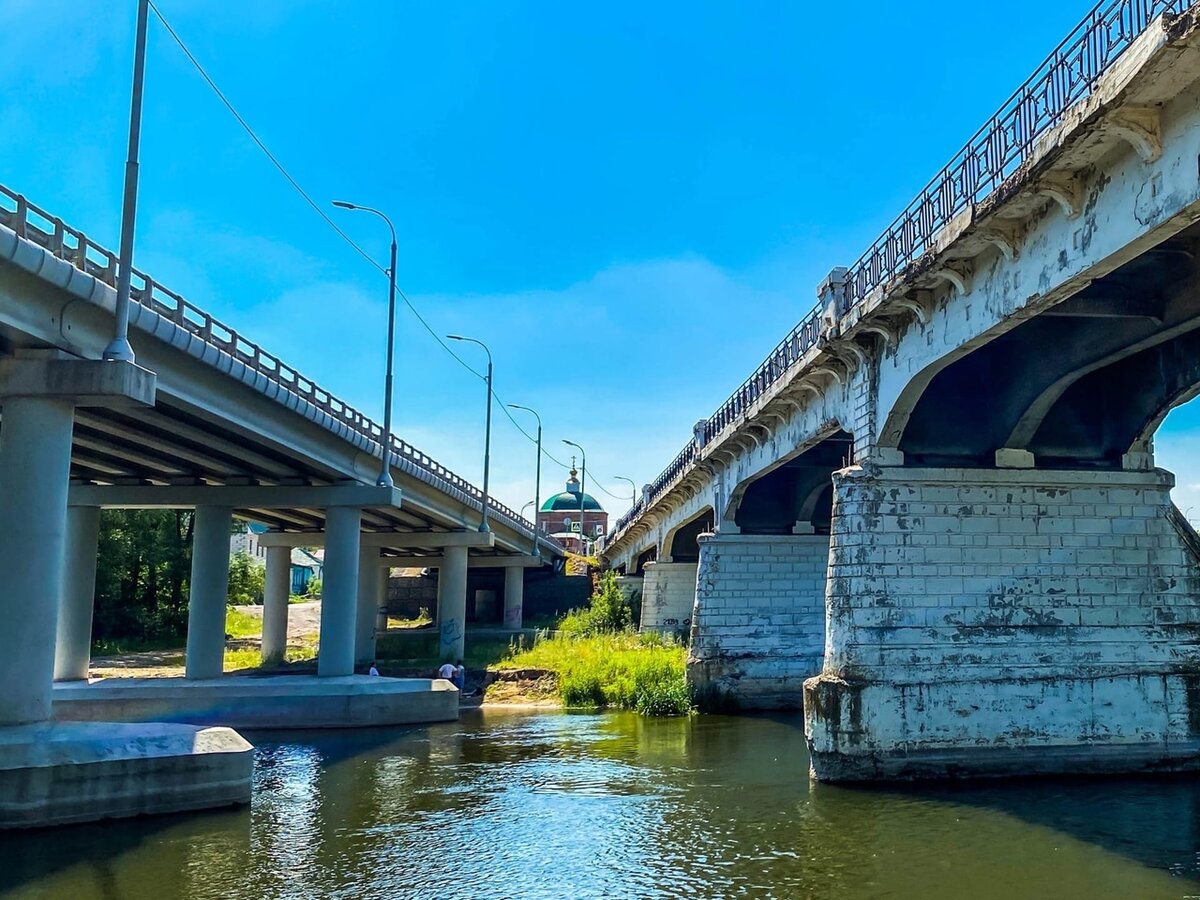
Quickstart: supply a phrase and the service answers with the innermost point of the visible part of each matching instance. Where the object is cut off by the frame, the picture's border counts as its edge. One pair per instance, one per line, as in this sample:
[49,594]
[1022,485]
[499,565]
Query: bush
[621,670]
[608,611]
[246,580]
[313,590]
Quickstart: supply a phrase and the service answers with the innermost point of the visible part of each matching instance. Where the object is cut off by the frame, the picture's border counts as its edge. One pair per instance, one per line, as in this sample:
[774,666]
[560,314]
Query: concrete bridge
[210,421]
[932,515]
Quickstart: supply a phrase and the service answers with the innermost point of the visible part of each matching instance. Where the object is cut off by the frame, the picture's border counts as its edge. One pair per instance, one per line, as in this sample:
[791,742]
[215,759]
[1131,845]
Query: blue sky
[631,203]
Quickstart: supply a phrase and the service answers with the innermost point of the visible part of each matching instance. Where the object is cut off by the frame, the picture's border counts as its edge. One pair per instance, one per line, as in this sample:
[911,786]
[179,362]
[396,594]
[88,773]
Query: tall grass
[620,669]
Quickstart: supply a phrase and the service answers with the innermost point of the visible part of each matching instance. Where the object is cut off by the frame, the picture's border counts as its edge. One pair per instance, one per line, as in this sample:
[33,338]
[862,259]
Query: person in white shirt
[447,671]
[373,670]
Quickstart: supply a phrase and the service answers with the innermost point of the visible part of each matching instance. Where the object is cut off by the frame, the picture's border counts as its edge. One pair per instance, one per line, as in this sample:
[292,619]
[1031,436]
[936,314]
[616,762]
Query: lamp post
[537,484]
[385,469]
[582,490]
[487,434]
[632,487]
[119,348]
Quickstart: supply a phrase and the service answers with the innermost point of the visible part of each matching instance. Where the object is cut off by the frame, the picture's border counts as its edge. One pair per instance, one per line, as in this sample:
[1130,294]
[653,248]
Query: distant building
[560,517]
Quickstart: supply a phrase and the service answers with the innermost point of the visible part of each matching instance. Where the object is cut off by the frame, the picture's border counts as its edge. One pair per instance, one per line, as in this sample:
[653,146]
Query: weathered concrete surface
[668,595]
[1007,622]
[283,701]
[62,773]
[759,625]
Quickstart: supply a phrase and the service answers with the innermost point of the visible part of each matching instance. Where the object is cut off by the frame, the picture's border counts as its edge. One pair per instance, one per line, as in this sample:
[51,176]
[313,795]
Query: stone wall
[1006,622]
[668,595]
[759,626]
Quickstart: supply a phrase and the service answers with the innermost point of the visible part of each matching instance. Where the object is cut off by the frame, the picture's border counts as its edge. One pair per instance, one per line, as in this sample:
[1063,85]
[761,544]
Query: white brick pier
[668,595]
[759,626]
[1003,622]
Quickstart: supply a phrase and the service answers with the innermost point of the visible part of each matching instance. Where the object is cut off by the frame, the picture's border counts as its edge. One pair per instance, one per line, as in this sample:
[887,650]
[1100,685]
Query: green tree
[142,571]
[246,580]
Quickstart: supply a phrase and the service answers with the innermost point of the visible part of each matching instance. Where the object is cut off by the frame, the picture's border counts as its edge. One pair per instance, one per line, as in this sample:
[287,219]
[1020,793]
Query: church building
[576,526]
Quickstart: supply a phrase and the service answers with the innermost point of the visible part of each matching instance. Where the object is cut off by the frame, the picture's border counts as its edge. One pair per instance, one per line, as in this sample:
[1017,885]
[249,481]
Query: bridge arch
[1077,385]
[680,544]
[795,494]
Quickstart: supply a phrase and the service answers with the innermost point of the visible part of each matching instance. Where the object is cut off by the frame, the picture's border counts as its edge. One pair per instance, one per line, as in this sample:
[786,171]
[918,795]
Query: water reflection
[555,805]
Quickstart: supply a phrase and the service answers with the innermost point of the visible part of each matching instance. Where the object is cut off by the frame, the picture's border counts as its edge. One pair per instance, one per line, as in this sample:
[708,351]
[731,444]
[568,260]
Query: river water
[555,805]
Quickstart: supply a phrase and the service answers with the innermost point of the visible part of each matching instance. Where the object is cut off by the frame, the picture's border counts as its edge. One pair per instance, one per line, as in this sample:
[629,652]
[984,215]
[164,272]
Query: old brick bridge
[932,515]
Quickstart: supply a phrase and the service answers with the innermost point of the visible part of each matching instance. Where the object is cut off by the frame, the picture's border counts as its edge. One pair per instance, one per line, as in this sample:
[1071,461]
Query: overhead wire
[320,211]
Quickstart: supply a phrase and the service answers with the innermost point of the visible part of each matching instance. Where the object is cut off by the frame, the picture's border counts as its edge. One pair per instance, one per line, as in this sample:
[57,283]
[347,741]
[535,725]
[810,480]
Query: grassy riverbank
[622,670]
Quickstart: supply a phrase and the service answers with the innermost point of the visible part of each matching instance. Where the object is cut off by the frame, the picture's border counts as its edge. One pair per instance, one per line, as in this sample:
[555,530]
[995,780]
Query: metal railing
[992,155]
[35,224]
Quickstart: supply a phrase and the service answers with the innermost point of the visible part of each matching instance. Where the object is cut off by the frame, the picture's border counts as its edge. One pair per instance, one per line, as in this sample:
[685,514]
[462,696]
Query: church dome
[568,500]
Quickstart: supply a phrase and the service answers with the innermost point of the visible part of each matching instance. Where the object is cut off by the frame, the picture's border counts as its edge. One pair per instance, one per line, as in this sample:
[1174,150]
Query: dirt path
[304,620]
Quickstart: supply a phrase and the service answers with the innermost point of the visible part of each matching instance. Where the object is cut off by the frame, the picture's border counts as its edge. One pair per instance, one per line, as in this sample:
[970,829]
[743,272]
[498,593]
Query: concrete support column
[514,597]
[209,592]
[73,647]
[370,573]
[35,461]
[276,592]
[339,597]
[758,627]
[452,603]
[381,617]
[668,596]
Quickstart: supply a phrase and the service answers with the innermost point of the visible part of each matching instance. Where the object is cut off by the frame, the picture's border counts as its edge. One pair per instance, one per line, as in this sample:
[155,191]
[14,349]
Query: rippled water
[557,806]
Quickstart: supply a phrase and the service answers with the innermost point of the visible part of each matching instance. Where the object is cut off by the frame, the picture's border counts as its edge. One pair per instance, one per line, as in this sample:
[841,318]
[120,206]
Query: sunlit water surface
[558,806]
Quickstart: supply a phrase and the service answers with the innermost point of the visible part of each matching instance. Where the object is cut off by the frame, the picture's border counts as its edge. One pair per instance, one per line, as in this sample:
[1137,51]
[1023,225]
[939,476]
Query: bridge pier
[668,596]
[452,603]
[208,593]
[1007,622]
[339,591]
[514,597]
[759,625]
[371,582]
[277,591]
[73,643]
[58,772]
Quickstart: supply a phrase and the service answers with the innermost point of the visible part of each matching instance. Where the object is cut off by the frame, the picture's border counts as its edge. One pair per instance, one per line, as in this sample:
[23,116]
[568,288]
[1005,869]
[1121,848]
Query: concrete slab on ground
[59,773]
[278,701]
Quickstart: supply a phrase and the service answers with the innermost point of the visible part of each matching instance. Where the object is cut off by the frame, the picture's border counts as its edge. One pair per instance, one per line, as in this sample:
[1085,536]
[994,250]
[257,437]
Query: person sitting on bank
[373,670]
[449,672]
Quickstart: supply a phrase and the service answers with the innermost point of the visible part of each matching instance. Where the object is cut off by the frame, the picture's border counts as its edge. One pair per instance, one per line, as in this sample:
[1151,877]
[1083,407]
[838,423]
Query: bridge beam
[514,597]
[249,496]
[371,579]
[394,539]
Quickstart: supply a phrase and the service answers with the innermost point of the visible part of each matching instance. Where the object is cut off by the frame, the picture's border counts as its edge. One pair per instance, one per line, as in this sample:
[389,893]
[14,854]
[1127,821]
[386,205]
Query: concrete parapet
[67,772]
[1006,622]
[283,701]
[759,625]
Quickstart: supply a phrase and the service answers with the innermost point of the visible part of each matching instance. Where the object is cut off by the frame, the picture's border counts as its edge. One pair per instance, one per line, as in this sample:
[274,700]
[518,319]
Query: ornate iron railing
[976,172]
[40,227]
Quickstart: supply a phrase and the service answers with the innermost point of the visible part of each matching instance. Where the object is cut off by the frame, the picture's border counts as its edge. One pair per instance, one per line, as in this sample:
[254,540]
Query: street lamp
[119,348]
[385,470]
[537,484]
[632,487]
[487,434]
[582,491]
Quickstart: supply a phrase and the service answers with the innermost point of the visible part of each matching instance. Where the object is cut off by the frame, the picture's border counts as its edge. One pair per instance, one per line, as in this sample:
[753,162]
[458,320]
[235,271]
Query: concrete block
[63,773]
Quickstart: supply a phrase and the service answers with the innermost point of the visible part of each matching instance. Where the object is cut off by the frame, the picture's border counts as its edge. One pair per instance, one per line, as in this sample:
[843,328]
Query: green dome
[569,502]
